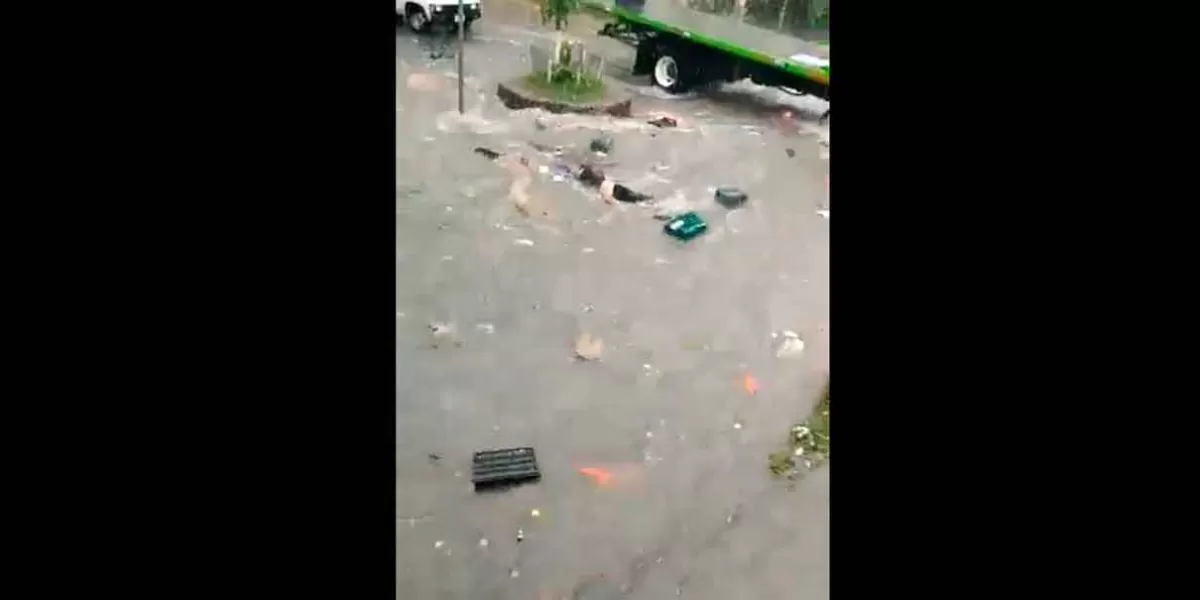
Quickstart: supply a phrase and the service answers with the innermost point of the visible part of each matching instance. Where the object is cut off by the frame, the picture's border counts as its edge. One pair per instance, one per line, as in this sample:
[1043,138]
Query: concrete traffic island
[518,94]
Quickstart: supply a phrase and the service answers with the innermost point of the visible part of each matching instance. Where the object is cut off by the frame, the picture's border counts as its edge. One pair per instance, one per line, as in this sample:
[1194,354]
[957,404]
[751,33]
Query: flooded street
[690,510]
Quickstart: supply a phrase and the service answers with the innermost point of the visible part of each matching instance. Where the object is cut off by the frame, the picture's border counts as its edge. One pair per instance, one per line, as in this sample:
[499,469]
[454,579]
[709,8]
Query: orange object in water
[600,476]
[751,384]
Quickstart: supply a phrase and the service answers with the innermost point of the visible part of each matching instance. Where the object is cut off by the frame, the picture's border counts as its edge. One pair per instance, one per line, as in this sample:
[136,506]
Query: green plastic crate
[685,226]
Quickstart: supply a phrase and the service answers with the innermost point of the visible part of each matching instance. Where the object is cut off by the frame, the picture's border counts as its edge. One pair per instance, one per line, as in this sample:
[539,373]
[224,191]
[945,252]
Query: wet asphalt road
[690,511]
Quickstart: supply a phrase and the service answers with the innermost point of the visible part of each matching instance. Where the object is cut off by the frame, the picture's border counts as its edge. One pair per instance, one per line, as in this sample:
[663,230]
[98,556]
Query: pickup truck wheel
[417,20]
[668,75]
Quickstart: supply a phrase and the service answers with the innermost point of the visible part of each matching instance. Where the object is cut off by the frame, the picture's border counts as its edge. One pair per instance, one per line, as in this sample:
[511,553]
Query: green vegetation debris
[566,86]
[808,443]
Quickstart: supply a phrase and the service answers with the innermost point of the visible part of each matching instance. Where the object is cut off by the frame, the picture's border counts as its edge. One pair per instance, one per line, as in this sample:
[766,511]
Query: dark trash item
[663,121]
[823,119]
[603,143]
[791,153]
[489,154]
[434,457]
[502,467]
[625,194]
[730,197]
[685,226]
[590,175]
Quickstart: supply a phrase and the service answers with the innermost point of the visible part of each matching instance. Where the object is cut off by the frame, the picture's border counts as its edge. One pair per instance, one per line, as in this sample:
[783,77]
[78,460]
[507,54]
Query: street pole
[462,19]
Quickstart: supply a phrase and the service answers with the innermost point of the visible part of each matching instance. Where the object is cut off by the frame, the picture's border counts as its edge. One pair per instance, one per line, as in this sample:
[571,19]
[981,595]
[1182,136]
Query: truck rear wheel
[668,73]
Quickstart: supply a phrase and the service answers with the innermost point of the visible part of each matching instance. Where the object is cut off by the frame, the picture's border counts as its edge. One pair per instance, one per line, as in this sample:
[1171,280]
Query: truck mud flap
[504,467]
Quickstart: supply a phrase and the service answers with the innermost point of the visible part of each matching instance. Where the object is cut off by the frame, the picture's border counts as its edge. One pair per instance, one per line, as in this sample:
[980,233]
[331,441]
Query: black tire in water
[669,72]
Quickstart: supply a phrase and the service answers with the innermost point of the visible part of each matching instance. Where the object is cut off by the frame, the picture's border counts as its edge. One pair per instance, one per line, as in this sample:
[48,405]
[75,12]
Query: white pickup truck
[420,15]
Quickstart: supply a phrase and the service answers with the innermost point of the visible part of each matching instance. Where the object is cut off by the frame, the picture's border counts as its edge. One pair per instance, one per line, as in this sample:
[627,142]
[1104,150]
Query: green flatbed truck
[686,43]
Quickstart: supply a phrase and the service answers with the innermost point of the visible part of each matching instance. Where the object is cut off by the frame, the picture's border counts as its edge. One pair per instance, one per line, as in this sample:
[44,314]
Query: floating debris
[589,250]
[808,440]
[792,345]
[664,120]
[802,431]
[751,384]
[730,197]
[523,242]
[685,226]
[734,515]
[603,143]
[438,544]
[486,153]
[737,424]
[483,542]
[824,212]
[486,327]
[442,332]
[598,475]
[588,347]
[514,573]
[791,153]
[535,513]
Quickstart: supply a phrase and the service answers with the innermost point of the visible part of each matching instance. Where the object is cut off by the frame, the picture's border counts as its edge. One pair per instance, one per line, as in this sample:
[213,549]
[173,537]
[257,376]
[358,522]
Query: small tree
[558,11]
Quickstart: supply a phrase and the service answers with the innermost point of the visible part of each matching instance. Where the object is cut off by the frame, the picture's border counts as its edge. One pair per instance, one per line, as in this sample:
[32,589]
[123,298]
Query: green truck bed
[727,33]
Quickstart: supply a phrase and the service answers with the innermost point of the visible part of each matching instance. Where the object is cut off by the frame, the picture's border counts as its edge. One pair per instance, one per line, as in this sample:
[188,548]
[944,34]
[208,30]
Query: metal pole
[462,19]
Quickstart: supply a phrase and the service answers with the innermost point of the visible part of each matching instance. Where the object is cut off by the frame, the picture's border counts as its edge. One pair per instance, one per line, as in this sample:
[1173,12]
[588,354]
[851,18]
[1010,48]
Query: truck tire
[418,21]
[668,72]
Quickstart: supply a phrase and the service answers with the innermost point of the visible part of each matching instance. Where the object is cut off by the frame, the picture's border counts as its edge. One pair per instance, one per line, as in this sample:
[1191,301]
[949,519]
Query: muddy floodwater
[501,266]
